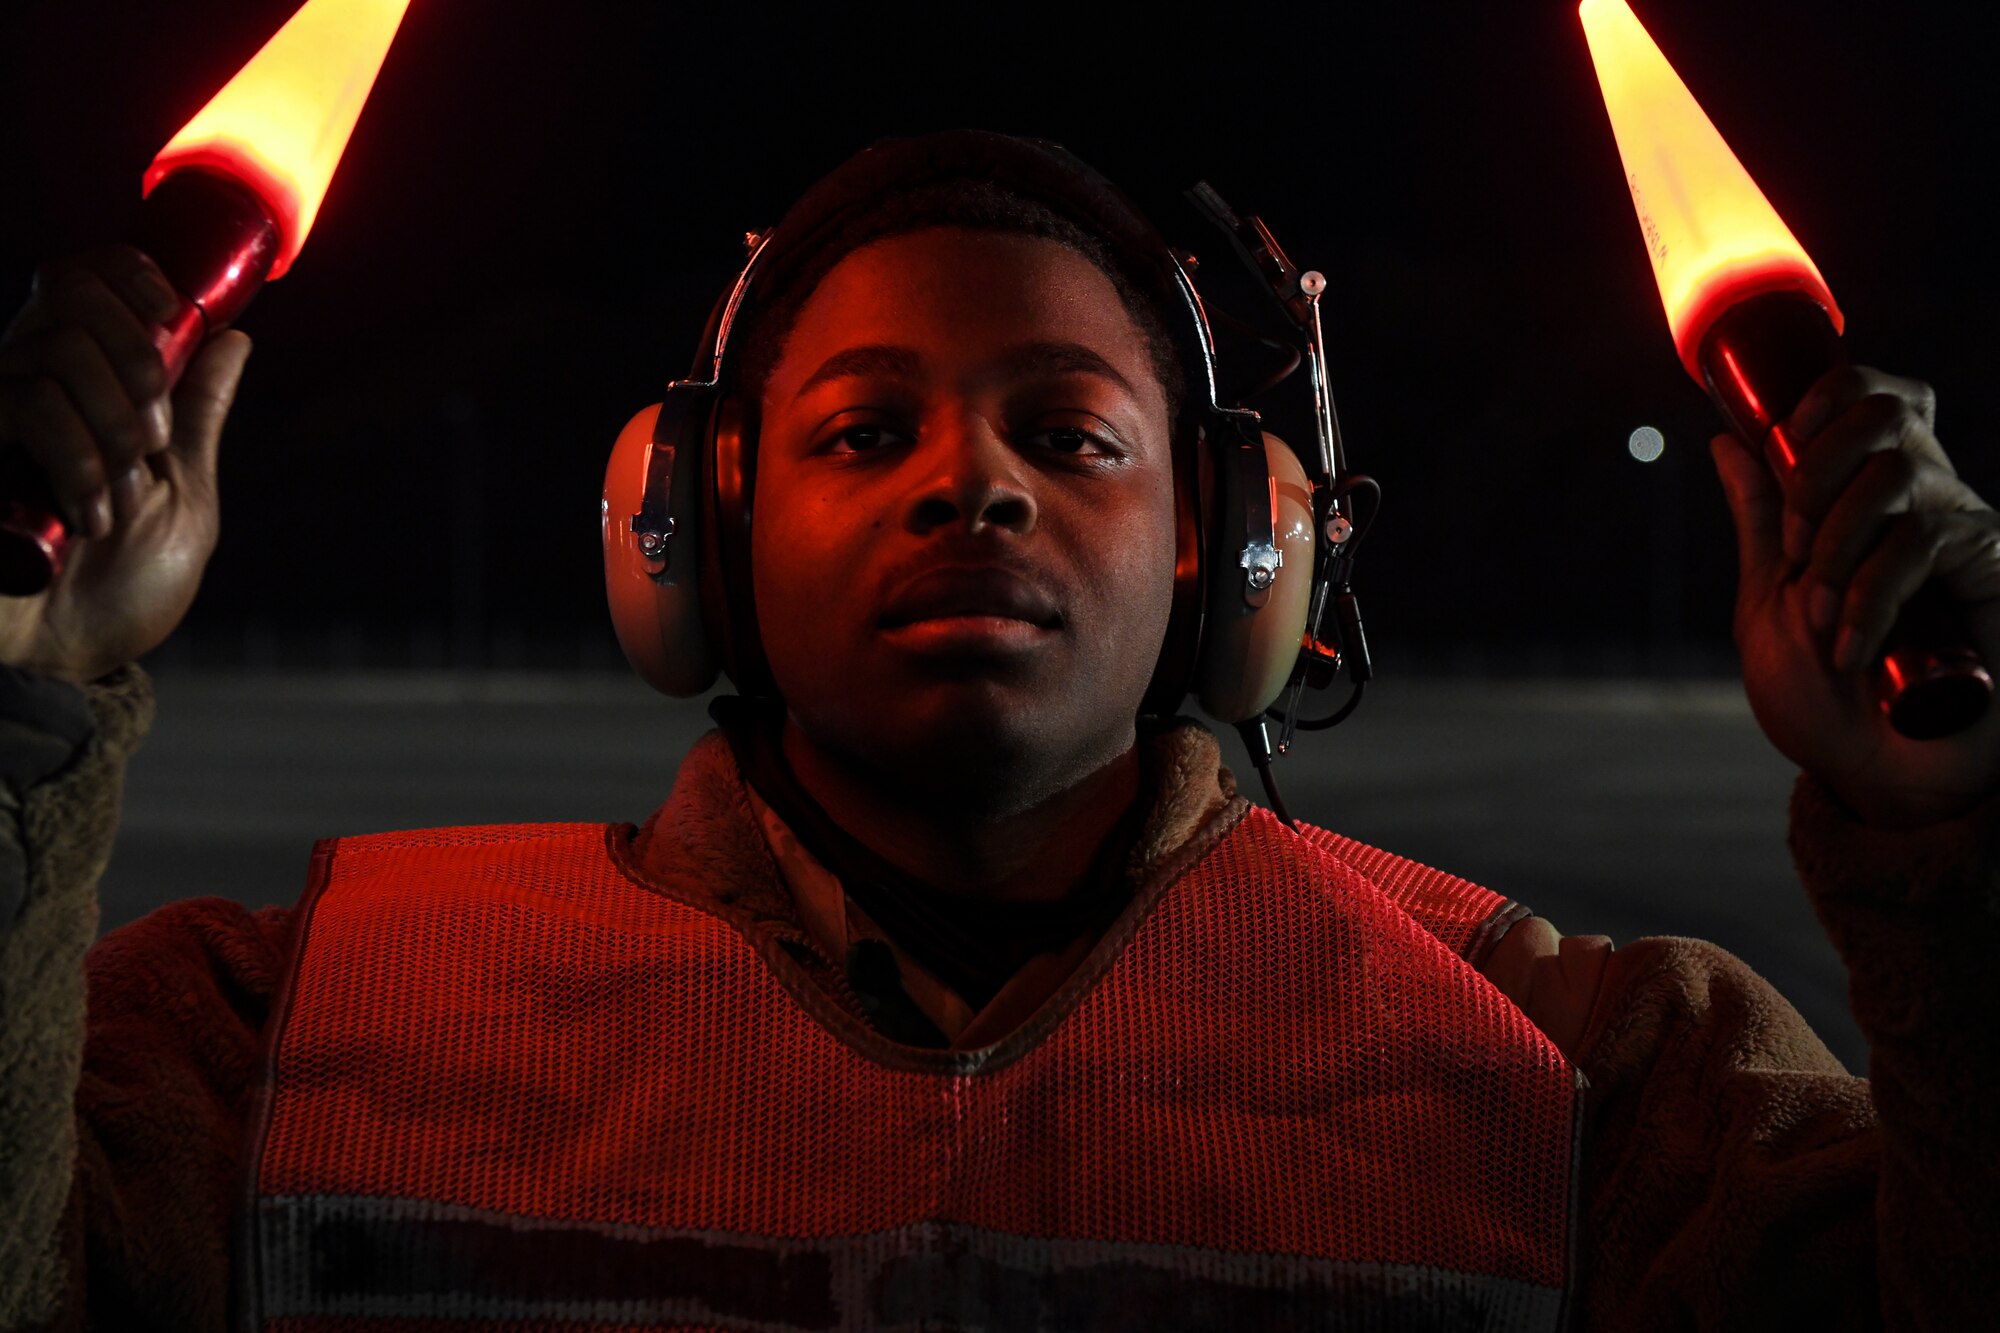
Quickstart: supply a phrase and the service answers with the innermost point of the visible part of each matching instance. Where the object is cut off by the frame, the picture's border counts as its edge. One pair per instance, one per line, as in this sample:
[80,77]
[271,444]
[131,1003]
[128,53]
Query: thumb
[202,402]
[1757,503]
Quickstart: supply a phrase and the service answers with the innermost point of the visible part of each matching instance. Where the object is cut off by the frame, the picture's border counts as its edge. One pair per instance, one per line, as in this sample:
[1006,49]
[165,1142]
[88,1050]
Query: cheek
[1140,575]
[780,573]
[786,527]
[1160,584]
[802,567]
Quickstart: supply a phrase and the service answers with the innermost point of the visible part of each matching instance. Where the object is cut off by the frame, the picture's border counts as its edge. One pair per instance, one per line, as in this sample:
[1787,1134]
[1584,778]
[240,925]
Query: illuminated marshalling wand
[1755,325]
[228,203]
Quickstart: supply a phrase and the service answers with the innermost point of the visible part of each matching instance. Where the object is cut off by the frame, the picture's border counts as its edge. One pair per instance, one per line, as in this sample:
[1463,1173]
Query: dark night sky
[541,201]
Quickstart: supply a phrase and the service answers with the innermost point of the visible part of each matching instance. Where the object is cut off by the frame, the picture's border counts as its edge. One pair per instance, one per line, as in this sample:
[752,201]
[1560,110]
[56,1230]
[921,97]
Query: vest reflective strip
[371,1258]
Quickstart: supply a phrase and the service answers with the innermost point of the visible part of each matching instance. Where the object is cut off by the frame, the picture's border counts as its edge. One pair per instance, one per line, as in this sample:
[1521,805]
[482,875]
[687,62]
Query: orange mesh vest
[514,1084]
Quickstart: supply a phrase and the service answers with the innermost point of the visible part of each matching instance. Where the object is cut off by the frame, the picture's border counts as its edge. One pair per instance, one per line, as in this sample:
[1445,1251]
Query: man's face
[964,541]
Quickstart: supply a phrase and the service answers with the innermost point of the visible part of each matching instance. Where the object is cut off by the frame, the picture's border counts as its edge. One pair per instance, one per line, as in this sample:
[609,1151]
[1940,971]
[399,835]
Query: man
[947,989]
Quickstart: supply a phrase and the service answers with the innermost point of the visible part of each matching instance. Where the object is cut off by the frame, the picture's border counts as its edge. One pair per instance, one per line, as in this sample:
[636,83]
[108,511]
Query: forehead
[959,297]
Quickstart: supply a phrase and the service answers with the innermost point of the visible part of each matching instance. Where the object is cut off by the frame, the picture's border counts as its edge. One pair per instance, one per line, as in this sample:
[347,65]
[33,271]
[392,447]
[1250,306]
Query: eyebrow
[881,359]
[1050,358]
[892,362]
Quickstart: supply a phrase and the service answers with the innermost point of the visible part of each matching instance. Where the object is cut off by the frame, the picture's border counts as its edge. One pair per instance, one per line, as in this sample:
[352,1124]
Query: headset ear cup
[1247,652]
[658,621]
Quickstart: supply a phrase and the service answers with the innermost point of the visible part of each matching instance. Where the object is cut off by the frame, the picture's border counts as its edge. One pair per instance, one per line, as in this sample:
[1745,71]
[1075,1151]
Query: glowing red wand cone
[228,203]
[1754,324]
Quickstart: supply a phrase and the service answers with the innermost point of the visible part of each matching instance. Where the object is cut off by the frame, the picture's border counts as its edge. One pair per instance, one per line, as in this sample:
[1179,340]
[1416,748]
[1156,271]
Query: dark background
[541,201]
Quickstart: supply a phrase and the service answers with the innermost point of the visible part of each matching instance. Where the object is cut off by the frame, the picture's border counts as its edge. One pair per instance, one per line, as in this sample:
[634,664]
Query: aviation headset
[1258,545]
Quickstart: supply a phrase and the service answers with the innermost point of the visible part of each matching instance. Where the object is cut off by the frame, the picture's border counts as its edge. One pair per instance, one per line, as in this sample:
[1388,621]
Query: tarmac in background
[1626,808]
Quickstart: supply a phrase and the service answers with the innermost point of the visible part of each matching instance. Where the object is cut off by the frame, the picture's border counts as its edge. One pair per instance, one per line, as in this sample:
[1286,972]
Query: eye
[1073,442]
[860,439]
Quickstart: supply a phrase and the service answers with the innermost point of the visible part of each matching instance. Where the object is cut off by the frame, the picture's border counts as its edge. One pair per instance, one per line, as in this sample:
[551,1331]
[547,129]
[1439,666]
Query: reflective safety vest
[518,1082]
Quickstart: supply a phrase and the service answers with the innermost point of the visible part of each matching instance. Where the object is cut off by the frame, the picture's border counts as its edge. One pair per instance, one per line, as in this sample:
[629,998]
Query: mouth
[974,595]
[970,611]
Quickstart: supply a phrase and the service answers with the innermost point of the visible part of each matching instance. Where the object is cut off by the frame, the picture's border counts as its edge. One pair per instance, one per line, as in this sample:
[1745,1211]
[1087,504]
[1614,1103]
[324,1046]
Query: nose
[973,478]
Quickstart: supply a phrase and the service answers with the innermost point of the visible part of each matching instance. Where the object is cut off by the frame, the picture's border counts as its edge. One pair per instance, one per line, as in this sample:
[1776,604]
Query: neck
[1036,854]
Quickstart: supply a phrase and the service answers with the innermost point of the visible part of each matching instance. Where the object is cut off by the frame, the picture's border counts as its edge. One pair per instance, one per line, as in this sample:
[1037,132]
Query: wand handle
[1757,361]
[215,242]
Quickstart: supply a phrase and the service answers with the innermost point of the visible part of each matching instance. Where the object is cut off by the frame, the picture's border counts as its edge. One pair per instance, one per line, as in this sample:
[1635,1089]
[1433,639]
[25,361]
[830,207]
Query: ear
[655,604]
[1247,652]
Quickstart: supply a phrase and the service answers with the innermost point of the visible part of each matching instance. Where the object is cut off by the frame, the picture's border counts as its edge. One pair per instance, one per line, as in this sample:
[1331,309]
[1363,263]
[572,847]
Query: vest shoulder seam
[1370,862]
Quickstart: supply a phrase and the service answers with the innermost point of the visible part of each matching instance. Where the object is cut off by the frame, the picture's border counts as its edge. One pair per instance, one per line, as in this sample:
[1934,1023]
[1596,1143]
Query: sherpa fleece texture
[1735,1177]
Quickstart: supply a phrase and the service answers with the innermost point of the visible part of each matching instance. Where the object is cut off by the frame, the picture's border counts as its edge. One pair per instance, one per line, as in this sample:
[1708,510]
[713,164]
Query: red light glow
[1778,440]
[1743,385]
[1713,238]
[280,126]
[1895,674]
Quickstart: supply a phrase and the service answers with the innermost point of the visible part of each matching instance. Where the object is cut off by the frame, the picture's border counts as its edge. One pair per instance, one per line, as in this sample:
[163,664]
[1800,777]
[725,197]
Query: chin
[977,744]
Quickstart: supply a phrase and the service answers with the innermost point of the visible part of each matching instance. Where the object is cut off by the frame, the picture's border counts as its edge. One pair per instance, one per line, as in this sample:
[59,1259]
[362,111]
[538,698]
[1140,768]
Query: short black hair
[967,202]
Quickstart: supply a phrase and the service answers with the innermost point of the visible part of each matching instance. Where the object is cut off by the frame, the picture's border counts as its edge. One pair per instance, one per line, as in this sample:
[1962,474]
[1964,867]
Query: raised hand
[1829,556]
[84,396]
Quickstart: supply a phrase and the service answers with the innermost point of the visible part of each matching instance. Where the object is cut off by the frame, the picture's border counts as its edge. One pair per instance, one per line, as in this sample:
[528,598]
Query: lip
[976,599]
[986,637]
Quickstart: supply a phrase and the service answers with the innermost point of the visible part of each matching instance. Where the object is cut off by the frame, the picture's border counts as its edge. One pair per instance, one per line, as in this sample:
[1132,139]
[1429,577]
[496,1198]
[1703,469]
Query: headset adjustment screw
[1260,562]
